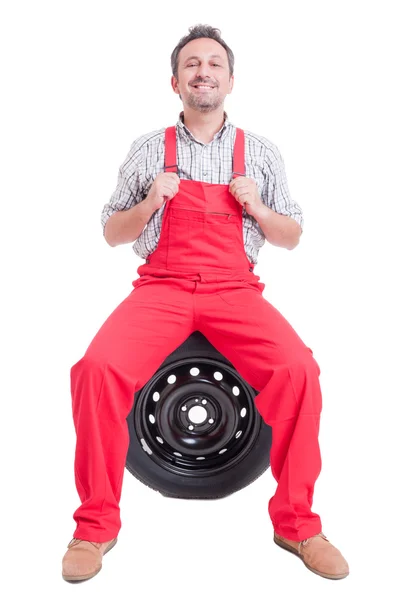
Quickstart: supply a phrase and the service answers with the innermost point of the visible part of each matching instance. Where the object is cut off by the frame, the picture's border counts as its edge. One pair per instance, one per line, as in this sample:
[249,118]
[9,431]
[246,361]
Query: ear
[231,83]
[174,85]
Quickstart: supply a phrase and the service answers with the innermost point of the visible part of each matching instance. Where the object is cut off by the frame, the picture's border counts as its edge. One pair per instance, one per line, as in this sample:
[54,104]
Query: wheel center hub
[197,415]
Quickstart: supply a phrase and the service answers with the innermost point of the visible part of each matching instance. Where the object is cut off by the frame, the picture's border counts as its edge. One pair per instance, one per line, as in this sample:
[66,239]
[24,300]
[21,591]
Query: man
[199,199]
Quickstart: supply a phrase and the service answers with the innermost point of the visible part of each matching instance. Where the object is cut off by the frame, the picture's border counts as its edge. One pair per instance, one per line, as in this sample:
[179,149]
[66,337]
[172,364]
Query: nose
[203,71]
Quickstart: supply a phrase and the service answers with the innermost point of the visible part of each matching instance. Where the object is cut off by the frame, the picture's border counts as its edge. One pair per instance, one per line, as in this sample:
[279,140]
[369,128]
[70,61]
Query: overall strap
[170,153]
[239,154]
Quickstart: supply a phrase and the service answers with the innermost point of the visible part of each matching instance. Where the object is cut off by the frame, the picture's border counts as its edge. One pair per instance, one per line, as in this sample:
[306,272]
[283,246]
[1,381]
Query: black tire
[213,460]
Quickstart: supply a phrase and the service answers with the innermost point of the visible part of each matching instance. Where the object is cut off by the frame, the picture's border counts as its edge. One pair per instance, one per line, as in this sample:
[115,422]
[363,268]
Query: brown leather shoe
[83,559]
[318,555]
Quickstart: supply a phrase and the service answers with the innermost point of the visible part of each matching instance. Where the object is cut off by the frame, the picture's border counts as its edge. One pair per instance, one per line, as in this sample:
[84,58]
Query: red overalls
[198,278]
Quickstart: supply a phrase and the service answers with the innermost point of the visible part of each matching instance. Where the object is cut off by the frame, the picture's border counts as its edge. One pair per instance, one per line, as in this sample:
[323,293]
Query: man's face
[203,61]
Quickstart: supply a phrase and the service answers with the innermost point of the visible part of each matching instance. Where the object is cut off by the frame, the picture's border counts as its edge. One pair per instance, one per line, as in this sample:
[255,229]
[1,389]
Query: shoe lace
[305,542]
[75,541]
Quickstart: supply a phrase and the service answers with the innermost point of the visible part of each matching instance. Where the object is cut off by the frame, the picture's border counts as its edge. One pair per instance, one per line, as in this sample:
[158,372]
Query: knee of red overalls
[101,387]
[313,358]
[292,387]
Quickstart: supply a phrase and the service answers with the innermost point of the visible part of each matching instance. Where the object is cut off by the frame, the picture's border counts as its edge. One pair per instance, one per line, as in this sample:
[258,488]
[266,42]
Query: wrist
[148,205]
[261,211]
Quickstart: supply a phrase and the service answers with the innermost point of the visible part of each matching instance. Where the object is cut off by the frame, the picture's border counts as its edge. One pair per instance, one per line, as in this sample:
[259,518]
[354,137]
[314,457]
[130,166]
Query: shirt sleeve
[129,190]
[276,193]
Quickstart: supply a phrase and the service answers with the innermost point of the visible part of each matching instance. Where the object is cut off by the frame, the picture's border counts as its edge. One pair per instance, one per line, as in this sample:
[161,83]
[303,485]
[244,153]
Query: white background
[82,81]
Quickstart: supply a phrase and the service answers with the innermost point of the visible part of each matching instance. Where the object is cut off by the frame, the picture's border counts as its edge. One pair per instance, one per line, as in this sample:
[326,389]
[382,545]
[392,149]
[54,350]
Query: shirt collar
[188,136]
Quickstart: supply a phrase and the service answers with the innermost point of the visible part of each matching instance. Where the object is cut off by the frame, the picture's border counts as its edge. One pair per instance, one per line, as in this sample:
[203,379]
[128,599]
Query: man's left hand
[245,191]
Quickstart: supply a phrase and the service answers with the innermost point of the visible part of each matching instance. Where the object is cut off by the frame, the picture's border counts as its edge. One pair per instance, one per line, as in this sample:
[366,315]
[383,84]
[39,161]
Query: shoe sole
[282,544]
[78,578]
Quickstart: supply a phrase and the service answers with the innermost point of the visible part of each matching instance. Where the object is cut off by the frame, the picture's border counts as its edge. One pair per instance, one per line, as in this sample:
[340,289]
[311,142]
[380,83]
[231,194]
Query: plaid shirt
[211,163]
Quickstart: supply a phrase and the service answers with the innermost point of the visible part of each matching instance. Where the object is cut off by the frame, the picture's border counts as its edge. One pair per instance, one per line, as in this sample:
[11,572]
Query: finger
[173,176]
[239,181]
[169,190]
[242,189]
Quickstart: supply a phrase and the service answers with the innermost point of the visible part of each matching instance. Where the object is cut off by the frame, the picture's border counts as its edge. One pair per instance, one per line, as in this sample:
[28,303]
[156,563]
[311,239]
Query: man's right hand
[164,187]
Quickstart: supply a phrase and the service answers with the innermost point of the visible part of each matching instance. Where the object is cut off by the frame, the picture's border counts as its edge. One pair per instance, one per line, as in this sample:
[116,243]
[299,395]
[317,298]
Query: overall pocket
[200,240]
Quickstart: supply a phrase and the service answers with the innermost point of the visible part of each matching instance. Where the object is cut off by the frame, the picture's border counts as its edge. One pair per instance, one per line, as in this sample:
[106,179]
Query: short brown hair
[196,32]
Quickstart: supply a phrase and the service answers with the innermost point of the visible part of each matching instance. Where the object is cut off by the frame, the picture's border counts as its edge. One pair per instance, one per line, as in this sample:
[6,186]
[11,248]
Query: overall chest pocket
[205,238]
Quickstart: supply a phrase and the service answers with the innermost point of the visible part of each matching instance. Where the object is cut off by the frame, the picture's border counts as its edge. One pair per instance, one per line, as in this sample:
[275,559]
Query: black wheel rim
[196,417]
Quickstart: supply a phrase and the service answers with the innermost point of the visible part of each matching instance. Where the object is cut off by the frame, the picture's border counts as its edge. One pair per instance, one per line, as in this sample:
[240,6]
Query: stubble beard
[202,104]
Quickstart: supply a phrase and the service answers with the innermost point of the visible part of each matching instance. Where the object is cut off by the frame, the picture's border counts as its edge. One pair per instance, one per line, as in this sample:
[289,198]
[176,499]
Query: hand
[245,191]
[164,187]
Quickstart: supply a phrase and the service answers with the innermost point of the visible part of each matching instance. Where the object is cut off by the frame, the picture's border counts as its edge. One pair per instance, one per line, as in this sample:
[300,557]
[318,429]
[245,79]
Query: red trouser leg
[127,350]
[271,357]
